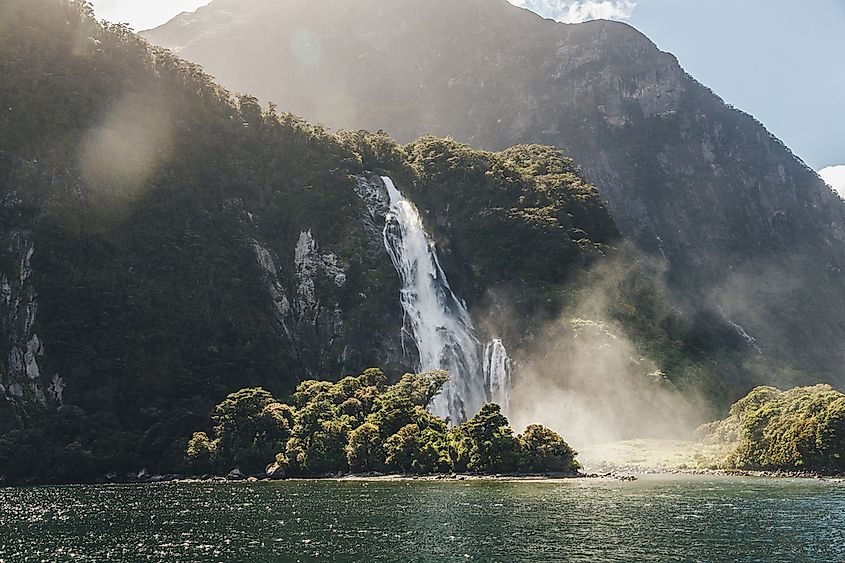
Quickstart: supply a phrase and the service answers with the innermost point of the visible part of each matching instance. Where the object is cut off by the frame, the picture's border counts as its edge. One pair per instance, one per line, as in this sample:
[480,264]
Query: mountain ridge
[745,228]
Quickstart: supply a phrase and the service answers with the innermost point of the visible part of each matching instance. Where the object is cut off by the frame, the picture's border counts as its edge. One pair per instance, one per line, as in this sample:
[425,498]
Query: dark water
[653,519]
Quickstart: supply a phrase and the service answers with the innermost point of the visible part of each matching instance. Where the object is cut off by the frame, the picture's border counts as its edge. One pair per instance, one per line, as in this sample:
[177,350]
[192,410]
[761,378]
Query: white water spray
[438,321]
[497,374]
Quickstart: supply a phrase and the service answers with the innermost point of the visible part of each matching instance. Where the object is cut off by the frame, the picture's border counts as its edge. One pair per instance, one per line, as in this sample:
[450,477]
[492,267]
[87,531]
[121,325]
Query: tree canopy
[799,429]
[361,424]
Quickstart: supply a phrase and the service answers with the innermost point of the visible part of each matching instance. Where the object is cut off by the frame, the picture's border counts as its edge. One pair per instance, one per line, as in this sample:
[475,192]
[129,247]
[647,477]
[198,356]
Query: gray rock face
[373,193]
[23,382]
[305,321]
[309,286]
[281,304]
[742,225]
[310,265]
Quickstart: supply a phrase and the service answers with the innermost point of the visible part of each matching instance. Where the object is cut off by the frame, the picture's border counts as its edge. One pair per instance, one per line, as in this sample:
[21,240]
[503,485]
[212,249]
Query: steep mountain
[746,232]
[163,243]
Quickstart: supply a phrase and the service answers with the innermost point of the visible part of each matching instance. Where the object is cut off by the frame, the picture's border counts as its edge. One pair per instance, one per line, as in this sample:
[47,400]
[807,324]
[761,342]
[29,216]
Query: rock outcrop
[311,324]
[23,380]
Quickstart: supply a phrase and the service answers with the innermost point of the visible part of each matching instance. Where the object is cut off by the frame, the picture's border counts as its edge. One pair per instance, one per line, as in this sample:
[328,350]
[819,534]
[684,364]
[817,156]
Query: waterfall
[497,374]
[437,320]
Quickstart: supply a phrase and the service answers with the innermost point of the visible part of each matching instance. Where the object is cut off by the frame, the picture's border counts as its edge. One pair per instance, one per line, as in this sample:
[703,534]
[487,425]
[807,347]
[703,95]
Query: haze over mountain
[746,231]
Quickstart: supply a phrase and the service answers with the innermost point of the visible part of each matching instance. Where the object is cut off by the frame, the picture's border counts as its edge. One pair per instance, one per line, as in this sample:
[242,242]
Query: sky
[143,14]
[782,61]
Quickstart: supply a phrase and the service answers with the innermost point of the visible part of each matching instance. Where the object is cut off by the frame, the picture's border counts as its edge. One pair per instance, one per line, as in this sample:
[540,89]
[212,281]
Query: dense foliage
[361,424]
[547,215]
[132,172]
[799,429]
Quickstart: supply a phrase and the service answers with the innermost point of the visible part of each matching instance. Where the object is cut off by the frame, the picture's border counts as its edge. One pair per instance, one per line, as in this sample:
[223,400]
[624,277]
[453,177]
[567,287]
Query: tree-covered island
[363,425]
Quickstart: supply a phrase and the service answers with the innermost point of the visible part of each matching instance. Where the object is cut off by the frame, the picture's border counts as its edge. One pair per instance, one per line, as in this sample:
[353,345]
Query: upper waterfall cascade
[439,322]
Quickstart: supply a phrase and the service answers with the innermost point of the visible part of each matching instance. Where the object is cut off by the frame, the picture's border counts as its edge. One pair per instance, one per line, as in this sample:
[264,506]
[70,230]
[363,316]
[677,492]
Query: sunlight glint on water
[666,518]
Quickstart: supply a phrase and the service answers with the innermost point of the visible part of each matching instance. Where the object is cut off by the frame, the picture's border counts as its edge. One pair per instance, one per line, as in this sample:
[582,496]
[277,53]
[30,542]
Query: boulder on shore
[235,475]
[275,471]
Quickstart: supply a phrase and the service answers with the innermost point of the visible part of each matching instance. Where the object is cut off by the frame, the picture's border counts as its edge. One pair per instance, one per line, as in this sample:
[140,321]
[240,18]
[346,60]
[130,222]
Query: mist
[584,378]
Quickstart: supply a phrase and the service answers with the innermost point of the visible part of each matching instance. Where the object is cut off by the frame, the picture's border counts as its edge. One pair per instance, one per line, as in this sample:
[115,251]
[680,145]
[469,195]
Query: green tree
[274,429]
[200,453]
[391,413]
[373,377]
[544,450]
[325,449]
[247,430]
[405,402]
[485,443]
[799,429]
[365,452]
[830,436]
[402,449]
[420,388]
[310,391]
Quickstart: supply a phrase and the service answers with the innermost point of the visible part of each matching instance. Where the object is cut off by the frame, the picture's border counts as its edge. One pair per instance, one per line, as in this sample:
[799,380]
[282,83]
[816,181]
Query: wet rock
[375,197]
[275,471]
[235,475]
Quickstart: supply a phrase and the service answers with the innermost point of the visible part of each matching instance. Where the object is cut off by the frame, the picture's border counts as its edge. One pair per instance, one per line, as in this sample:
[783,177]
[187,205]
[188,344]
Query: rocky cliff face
[746,231]
[317,332]
[24,382]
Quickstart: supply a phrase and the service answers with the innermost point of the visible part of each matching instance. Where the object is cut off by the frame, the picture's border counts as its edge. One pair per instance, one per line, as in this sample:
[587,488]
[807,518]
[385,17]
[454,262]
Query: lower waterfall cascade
[438,322]
[498,370]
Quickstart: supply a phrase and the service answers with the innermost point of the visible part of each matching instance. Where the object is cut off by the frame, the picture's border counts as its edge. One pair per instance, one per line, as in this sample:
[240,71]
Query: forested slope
[164,244]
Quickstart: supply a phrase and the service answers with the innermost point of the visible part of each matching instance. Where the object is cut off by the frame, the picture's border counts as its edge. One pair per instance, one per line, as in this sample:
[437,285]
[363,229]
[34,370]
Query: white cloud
[835,177]
[575,11]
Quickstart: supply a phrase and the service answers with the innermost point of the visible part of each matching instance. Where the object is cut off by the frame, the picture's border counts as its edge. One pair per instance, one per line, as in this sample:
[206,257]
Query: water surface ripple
[654,519]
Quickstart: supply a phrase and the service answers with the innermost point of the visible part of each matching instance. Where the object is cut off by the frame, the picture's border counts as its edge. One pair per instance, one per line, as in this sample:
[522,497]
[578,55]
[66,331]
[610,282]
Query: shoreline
[760,473]
[621,474]
[628,477]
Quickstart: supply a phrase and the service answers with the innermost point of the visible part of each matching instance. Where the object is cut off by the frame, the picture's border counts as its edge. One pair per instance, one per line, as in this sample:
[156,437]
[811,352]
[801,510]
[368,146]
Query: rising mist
[583,377]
